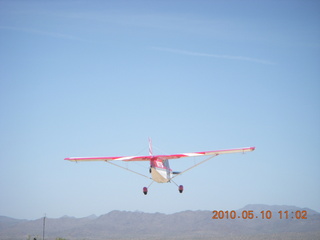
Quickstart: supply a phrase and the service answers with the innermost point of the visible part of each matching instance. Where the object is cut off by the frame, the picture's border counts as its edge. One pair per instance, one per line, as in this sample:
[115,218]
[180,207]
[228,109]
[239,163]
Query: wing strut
[195,165]
[128,169]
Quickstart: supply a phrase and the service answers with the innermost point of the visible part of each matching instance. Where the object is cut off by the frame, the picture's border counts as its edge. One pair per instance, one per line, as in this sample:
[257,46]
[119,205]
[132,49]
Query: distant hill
[182,225]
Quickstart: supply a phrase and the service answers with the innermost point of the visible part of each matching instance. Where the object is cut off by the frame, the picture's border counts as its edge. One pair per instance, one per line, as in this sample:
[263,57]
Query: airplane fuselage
[160,170]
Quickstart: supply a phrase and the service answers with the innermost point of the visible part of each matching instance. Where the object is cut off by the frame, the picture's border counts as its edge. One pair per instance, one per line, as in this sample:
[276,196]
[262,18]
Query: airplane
[159,164]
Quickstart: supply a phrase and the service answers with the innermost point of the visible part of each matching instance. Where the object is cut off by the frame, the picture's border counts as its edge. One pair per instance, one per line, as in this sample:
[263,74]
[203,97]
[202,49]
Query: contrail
[40,32]
[198,54]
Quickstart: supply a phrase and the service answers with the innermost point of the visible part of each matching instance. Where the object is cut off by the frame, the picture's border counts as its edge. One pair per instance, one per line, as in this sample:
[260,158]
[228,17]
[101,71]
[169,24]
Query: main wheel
[145,190]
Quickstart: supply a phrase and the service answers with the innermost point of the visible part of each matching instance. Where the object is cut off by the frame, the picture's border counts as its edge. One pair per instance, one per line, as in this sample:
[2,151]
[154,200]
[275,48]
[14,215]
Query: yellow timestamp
[265,214]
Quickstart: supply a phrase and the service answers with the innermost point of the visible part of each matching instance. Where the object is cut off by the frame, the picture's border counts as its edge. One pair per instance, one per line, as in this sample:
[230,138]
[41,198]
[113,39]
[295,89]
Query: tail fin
[150,147]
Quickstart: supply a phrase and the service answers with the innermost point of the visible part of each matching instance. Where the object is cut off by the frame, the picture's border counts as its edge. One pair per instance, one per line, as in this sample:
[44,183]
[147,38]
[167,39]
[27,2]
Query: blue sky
[97,78]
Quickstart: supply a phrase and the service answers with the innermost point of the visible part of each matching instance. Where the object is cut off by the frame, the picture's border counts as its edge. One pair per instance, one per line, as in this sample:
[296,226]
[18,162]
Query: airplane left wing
[90,159]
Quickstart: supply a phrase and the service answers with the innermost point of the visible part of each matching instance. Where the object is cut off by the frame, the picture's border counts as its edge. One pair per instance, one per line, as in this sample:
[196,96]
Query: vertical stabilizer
[150,147]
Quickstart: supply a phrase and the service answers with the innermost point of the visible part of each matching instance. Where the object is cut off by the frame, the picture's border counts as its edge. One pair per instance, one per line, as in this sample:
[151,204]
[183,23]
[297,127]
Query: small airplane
[159,164]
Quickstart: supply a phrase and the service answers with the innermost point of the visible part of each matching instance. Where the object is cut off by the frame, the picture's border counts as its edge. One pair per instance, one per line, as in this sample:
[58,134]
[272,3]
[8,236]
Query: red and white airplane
[159,164]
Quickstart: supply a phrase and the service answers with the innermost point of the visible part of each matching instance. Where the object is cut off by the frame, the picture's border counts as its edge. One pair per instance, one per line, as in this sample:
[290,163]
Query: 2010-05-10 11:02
[250,214]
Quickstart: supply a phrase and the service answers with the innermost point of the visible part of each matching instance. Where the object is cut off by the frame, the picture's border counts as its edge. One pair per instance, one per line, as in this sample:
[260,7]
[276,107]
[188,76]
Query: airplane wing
[128,158]
[198,154]
[162,157]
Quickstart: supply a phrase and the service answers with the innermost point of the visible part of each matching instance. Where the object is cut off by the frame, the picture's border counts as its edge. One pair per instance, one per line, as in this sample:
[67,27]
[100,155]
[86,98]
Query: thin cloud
[229,57]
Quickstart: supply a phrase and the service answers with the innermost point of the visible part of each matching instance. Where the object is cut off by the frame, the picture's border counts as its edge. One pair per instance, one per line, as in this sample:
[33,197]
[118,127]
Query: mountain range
[253,221]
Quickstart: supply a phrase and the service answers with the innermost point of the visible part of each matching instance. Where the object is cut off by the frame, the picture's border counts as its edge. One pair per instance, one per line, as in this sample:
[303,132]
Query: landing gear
[180,187]
[145,189]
